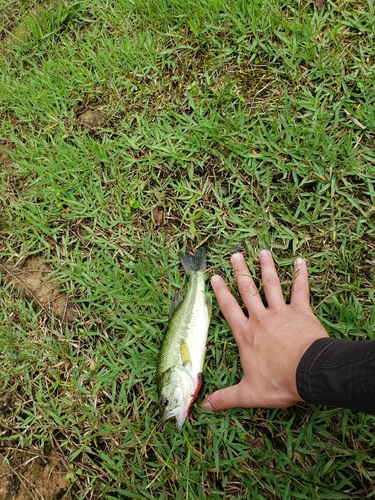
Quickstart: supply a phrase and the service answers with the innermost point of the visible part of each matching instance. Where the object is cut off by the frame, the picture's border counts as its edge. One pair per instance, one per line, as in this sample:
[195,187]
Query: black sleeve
[337,372]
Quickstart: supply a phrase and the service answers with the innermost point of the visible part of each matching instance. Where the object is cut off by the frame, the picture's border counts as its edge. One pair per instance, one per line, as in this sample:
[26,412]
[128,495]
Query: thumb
[230,397]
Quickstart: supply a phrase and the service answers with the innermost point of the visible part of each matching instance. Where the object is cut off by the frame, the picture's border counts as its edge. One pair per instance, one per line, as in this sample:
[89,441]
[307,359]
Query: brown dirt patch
[28,476]
[34,279]
[92,118]
[5,161]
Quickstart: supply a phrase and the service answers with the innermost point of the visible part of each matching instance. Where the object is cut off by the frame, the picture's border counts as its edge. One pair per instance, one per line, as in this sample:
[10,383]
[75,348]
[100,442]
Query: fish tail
[194,263]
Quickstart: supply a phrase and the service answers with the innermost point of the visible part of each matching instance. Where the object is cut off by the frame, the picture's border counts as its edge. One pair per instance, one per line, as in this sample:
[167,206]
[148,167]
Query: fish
[180,364]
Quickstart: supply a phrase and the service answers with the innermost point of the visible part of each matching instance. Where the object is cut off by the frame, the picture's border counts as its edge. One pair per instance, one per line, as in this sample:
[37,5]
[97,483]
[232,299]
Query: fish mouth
[176,413]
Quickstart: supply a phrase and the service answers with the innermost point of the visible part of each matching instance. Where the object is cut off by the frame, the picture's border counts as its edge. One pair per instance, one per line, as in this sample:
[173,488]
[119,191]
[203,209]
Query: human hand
[271,341]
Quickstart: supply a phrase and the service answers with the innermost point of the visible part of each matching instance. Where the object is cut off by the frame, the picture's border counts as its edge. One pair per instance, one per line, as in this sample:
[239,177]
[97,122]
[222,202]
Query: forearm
[337,372]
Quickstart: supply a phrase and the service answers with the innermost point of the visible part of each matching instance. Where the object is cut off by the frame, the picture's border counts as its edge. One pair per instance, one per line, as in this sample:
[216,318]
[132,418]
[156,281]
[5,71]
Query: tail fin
[194,263]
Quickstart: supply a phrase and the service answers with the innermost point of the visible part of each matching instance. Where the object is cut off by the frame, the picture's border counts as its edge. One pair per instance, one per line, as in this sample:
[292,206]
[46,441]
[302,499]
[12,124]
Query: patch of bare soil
[34,279]
[92,118]
[29,476]
[5,161]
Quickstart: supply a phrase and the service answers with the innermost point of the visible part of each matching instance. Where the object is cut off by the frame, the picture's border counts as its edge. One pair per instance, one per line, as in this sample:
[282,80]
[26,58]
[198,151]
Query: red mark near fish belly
[194,396]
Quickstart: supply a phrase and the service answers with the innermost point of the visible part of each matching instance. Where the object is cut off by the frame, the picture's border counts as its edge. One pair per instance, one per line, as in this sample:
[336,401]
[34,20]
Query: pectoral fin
[185,353]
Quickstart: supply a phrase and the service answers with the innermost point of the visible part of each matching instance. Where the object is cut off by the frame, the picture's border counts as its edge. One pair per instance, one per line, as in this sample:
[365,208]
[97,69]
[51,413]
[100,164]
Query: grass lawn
[130,131]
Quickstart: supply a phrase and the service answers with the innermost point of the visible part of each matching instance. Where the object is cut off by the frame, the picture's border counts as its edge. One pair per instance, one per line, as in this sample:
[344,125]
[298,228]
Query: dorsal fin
[177,299]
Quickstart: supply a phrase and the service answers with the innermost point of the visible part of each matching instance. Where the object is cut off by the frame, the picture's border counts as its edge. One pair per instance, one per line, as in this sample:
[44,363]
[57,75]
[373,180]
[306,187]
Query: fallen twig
[354,120]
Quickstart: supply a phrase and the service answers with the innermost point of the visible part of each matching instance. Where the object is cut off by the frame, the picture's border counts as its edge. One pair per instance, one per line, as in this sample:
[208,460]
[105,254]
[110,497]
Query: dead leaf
[319,4]
[257,443]
[159,217]
[224,33]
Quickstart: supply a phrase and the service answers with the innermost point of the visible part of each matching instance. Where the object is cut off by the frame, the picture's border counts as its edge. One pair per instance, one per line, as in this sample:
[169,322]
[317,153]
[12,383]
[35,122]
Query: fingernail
[299,261]
[264,253]
[215,278]
[236,257]
[207,406]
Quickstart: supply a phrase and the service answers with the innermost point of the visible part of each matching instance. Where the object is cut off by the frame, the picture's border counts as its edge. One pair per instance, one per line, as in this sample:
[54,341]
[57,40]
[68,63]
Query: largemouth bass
[180,363]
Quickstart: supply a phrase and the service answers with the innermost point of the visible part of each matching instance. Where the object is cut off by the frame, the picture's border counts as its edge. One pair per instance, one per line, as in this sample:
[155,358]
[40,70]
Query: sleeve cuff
[337,372]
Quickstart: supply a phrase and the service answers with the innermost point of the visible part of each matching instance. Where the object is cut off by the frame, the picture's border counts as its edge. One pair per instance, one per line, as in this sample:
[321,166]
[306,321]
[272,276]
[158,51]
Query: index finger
[246,286]
[228,304]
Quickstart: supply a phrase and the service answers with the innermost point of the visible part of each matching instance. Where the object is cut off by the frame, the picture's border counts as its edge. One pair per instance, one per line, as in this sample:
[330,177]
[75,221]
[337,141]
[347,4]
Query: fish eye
[163,402]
